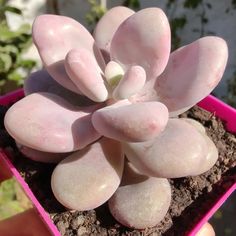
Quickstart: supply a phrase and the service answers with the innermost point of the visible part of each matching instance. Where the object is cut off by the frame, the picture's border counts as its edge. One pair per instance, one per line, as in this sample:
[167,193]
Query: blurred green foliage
[12,199]
[95,13]
[13,67]
[134,4]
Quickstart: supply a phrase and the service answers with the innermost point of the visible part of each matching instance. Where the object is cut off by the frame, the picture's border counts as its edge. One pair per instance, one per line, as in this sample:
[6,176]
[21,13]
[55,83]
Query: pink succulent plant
[117,95]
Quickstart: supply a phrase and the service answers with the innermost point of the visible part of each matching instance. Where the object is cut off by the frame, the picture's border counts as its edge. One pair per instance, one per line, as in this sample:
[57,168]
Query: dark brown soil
[191,196]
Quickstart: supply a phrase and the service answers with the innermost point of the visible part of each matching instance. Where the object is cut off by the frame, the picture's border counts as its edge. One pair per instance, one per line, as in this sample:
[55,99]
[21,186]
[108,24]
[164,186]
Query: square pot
[210,103]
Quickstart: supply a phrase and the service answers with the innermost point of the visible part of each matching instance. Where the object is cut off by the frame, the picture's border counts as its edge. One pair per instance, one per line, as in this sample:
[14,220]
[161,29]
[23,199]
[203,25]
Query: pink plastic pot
[210,103]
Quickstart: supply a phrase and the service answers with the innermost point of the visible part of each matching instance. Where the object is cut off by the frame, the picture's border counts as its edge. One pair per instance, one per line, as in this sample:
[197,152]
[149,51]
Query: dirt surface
[191,196]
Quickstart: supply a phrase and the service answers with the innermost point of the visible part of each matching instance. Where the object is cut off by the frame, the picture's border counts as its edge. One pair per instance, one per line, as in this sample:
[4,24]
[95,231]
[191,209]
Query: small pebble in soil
[77,221]
[81,231]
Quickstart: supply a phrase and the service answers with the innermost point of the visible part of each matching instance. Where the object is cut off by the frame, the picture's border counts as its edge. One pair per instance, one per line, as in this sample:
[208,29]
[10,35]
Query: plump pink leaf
[179,151]
[196,124]
[48,123]
[212,155]
[140,201]
[210,158]
[107,26]
[133,123]
[82,68]
[192,73]
[132,81]
[143,39]
[88,178]
[55,36]
[41,81]
[40,156]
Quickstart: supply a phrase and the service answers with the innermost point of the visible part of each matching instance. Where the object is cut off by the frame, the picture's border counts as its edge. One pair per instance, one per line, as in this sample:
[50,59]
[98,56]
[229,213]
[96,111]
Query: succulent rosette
[115,95]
